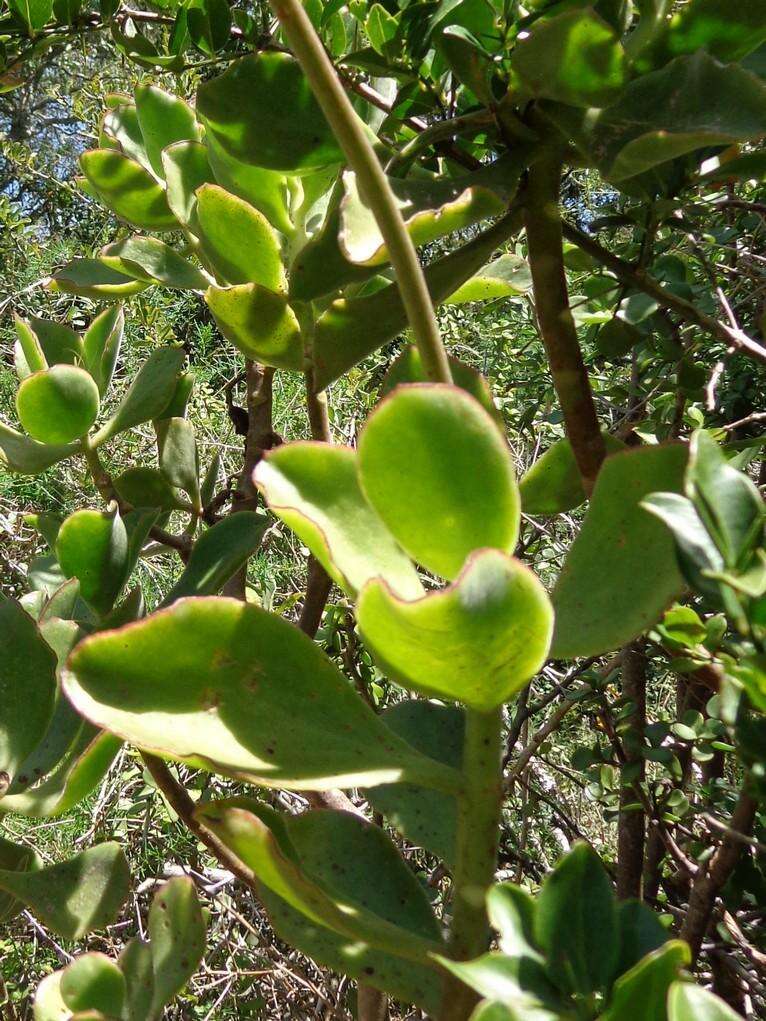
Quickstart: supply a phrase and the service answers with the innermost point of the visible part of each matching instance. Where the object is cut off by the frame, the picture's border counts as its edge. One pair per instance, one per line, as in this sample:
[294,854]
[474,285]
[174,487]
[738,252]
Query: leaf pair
[432,480]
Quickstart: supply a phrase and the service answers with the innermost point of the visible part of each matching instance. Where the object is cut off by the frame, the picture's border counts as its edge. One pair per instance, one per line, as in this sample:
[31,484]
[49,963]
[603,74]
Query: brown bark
[631,828]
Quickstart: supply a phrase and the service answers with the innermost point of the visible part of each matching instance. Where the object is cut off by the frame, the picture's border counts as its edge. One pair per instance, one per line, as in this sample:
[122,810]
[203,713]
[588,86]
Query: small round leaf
[58,404]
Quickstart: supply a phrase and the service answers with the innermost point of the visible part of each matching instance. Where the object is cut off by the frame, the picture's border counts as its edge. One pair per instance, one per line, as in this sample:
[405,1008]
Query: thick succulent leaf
[491,1010]
[509,274]
[478,641]
[42,343]
[259,322]
[146,487]
[430,208]
[148,394]
[518,982]
[238,240]
[15,858]
[553,484]
[620,573]
[179,457]
[436,469]
[725,32]
[154,262]
[93,982]
[91,278]
[186,168]
[576,922]
[689,1002]
[101,345]
[48,1003]
[22,454]
[58,405]
[28,354]
[262,111]
[641,932]
[314,488]
[691,102]
[320,863]
[574,58]
[137,966]
[120,125]
[127,189]
[92,546]
[353,328]
[76,896]
[695,550]
[425,818]
[265,190]
[321,267]
[218,554]
[177,939]
[228,687]
[164,119]
[642,992]
[408,368]
[83,767]
[511,912]
[27,687]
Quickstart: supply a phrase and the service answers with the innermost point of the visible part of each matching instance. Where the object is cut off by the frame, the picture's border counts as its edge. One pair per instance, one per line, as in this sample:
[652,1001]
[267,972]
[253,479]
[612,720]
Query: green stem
[373,184]
[476,852]
[557,327]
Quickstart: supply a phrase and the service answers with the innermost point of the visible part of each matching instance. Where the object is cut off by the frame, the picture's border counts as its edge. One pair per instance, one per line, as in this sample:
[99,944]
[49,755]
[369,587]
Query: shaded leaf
[127,189]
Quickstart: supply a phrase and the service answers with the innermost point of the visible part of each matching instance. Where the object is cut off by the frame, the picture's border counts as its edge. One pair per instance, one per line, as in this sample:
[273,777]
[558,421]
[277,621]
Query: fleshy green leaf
[93,982]
[238,240]
[127,189]
[179,459]
[518,982]
[259,322]
[218,554]
[76,896]
[265,190]
[553,484]
[42,343]
[27,686]
[511,911]
[506,275]
[573,58]
[177,939]
[22,454]
[164,119]
[694,548]
[48,1003]
[318,863]
[153,262]
[226,686]
[101,345]
[426,818]
[148,394]
[137,966]
[478,641]
[185,168]
[725,32]
[620,573]
[146,487]
[91,278]
[321,267]
[314,488]
[262,111]
[642,992]
[687,1002]
[576,922]
[641,932]
[408,368]
[58,405]
[92,546]
[436,469]
[209,23]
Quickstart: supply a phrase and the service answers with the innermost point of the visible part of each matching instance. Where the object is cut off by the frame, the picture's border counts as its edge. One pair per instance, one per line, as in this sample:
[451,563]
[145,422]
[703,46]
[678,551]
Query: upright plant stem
[631,827]
[570,377]
[372,181]
[476,852]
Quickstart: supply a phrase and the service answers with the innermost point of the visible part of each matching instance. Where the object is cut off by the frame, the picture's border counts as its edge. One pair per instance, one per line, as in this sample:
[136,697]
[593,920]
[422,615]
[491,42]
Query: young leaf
[177,939]
[58,405]
[259,322]
[101,346]
[620,573]
[435,468]
[164,119]
[226,686]
[148,394]
[262,111]
[128,190]
[238,240]
[218,554]
[320,864]
[688,1002]
[92,546]
[573,58]
[93,982]
[576,923]
[314,488]
[27,687]
[76,896]
[478,641]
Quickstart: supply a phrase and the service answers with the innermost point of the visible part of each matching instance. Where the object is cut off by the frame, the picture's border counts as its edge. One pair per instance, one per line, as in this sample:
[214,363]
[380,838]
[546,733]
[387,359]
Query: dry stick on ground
[559,334]
[631,823]
[712,875]
[686,310]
